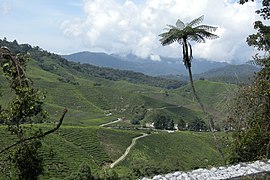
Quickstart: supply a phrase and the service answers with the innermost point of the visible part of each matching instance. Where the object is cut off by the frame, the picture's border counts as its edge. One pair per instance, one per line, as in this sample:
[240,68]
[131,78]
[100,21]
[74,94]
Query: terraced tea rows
[86,140]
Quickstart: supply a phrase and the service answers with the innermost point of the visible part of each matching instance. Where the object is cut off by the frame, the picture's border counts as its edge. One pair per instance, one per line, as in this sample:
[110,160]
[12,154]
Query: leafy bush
[163,121]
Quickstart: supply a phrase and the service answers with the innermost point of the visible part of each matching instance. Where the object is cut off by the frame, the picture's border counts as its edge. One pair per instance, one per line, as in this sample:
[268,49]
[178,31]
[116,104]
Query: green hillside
[94,96]
[210,93]
[65,150]
[235,74]
[163,152]
[90,93]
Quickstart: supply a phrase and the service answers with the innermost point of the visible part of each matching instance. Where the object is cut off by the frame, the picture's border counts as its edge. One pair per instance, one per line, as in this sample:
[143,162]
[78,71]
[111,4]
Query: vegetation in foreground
[250,108]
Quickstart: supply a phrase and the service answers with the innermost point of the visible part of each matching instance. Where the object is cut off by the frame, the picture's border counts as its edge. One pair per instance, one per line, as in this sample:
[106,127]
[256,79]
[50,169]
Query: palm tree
[183,33]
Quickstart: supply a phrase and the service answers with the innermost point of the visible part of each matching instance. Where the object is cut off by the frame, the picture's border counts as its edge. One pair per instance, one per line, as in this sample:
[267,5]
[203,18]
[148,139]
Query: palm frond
[196,21]
[167,38]
[181,31]
[208,35]
[180,24]
[171,36]
[207,28]
[197,38]
[180,41]
[203,33]
[171,26]
[167,41]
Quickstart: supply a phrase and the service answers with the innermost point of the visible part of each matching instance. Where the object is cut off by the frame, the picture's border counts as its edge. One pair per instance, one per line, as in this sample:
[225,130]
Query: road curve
[128,149]
[112,122]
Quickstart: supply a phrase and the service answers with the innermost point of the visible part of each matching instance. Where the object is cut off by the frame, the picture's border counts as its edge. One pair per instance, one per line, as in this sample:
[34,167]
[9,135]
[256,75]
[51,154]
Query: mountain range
[170,68]
[164,66]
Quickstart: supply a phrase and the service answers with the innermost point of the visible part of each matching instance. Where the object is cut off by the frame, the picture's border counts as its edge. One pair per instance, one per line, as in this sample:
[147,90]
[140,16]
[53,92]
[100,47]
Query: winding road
[112,122]
[128,148]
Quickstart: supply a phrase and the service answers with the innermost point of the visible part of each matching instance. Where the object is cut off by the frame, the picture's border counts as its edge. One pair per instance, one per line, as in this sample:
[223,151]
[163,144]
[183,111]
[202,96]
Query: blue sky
[126,26]
[38,22]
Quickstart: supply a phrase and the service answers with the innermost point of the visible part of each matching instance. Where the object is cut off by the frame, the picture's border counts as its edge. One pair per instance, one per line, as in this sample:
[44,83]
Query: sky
[128,26]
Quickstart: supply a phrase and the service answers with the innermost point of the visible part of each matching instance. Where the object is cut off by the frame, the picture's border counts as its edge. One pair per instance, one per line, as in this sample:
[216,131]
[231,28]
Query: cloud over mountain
[132,27]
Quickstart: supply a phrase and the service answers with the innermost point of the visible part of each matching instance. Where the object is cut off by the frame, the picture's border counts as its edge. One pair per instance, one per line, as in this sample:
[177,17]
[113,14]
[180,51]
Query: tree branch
[38,136]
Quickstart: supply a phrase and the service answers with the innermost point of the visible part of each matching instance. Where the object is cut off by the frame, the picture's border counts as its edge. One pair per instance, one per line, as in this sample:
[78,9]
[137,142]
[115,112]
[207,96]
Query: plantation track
[112,122]
[127,150]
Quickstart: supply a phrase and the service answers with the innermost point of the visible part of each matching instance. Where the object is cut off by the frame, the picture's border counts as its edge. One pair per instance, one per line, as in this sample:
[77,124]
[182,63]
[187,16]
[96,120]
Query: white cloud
[155,57]
[133,28]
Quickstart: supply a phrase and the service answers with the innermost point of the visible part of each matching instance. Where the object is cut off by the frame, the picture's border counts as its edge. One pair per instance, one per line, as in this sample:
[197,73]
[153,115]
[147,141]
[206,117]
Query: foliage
[264,11]
[181,124]
[28,161]
[26,107]
[197,125]
[163,121]
[140,170]
[182,32]
[83,173]
[139,114]
[250,114]
[108,174]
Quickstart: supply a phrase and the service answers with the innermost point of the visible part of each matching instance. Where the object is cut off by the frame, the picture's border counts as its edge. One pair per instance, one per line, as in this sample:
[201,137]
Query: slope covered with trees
[250,108]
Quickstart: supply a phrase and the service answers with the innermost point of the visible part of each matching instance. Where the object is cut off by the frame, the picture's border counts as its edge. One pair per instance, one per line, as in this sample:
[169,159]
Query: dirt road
[127,150]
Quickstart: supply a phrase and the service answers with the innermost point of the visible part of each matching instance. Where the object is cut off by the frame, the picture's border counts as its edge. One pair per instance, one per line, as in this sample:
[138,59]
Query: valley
[125,90]
[108,110]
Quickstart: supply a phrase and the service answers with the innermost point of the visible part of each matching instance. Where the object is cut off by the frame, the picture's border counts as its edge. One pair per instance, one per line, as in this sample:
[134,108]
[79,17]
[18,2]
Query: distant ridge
[233,74]
[164,66]
[236,74]
[99,59]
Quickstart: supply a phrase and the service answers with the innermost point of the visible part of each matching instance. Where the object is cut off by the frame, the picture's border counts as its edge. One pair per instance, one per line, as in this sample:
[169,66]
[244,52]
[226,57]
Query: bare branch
[38,136]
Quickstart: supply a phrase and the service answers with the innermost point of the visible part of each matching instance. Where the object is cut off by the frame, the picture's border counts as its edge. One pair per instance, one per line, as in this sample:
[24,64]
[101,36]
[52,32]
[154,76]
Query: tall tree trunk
[210,119]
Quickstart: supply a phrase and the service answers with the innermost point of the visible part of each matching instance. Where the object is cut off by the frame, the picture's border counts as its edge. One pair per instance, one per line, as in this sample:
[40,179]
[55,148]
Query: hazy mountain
[231,74]
[236,74]
[99,59]
[170,68]
[164,66]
